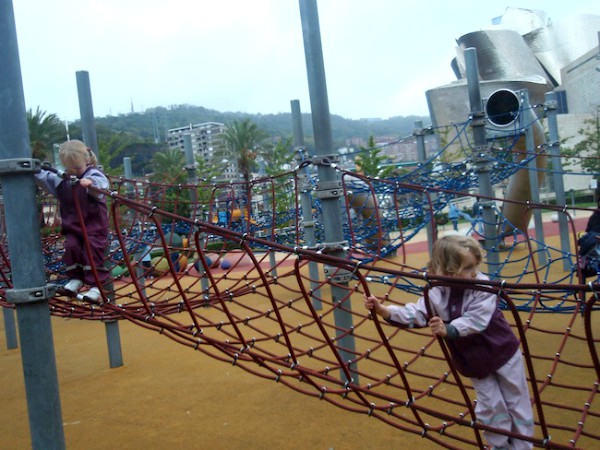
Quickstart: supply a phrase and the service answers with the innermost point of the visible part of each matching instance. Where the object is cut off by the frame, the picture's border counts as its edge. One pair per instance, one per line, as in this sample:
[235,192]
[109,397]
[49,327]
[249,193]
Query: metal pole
[190,166]
[419,133]
[528,120]
[329,188]
[88,128]
[30,292]
[86,111]
[550,105]
[306,203]
[482,160]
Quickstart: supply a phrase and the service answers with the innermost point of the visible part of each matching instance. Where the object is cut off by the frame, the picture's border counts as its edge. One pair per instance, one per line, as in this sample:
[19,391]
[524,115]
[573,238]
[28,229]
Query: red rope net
[234,289]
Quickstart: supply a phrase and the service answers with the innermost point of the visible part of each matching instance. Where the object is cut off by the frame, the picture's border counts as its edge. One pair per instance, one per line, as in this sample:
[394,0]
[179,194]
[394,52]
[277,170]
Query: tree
[111,148]
[370,162]
[168,167]
[243,140]
[277,160]
[279,157]
[588,149]
[45,130]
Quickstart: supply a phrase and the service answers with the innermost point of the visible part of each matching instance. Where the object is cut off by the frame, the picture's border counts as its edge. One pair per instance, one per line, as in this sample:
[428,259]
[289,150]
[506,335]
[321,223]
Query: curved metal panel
[561,43]
[501,54]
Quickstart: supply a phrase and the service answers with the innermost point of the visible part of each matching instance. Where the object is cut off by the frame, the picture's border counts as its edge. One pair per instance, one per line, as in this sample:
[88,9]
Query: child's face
[75,168]
[469,266]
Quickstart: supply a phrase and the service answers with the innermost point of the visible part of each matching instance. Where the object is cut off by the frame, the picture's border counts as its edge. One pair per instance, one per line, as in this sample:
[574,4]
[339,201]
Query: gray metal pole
[88,127]
[529,119]
[550,105]
[329,186]
[30,292]
[190,166]
[86,111]
[306,203]
[482,161]
[419,133]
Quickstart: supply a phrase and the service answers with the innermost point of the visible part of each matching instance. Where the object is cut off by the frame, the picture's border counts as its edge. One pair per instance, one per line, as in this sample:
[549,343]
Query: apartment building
[207,142]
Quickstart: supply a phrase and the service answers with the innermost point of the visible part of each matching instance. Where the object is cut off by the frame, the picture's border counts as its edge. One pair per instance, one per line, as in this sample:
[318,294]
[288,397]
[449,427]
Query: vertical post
[29,292]
[190,166]
[528,119]
[329,188]
[88,128]
[482,161]
[306,203]
[419,133]
[86,111]
[550,105]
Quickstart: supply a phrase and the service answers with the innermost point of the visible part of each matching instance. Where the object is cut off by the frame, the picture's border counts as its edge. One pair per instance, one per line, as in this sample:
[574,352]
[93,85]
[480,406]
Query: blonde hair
[76,153]
[447,254]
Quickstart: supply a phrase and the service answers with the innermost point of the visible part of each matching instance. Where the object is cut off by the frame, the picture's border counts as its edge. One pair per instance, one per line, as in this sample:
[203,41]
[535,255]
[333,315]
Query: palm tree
[243,141]
[168,167]
[44,131]
[370,161]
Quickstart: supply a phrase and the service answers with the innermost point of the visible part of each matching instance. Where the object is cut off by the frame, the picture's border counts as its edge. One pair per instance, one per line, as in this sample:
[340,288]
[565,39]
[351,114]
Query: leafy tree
[279,157]
[111,148]
[588,149]
[45,130]
[370,162]
[168,167]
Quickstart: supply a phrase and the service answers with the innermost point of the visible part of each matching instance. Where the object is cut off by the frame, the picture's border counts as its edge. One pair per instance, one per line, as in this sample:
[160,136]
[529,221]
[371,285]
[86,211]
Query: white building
[207,142]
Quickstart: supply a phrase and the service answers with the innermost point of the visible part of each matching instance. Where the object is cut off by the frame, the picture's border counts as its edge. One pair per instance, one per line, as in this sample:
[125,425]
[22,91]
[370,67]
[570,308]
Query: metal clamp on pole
[30,295]
[331,247]
[481,159]
[337,275]
[478,119]
[423,131]
[16,166]
[329,189]
[325,160]
[550,105]
[487,204]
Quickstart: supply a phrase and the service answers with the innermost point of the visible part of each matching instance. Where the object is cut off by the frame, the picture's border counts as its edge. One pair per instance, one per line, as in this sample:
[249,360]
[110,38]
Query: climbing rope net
[239,273]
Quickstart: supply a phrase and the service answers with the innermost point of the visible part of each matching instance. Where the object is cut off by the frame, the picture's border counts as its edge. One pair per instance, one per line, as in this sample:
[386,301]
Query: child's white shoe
[93,295]
[73,286]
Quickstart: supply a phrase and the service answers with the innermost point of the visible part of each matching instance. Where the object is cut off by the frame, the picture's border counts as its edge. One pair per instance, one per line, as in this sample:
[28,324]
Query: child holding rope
[80,162]
[481,342]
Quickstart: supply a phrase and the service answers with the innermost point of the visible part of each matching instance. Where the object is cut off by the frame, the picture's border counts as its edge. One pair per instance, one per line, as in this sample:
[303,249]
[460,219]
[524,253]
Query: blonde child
[481,342]
[79,161]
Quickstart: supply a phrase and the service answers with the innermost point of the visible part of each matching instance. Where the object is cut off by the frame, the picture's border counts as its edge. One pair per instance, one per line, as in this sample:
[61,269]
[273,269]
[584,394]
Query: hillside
[158,120]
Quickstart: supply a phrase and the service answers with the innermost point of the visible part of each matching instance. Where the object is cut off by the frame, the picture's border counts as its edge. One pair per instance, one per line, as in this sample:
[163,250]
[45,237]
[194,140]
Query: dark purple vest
[94,211]
[481,354]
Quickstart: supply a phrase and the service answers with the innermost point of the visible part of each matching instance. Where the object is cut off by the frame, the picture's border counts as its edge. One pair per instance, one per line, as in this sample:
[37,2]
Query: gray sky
[247,55]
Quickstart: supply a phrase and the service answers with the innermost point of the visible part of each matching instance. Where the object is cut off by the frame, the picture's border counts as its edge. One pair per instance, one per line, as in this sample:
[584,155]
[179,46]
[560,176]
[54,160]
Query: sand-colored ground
[167,396]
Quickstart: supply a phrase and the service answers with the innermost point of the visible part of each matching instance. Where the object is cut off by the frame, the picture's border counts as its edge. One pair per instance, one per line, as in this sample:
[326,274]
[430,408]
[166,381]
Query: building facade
[208,142]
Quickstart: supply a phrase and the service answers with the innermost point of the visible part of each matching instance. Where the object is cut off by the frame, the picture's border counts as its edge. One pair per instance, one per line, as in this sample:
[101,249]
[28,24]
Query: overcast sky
[247,55]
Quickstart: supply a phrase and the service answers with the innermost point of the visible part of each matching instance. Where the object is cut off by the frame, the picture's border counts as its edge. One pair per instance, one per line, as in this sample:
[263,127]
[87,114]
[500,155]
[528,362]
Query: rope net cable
[236,274]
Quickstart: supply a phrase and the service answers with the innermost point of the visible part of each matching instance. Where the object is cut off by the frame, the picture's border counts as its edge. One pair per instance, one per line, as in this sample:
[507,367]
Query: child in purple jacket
[79,161]
[482,345]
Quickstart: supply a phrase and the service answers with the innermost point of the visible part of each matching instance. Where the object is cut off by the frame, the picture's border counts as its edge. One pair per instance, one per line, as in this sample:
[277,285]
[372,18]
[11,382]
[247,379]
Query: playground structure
[287,306]
[264,312]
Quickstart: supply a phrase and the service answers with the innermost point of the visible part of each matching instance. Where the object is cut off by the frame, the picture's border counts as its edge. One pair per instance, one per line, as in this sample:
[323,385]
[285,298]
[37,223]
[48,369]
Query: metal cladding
[525,50]
[501,54]
[560,43]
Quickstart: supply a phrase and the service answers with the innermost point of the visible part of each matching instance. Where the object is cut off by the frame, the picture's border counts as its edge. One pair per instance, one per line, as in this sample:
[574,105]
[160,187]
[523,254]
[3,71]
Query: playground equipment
[510,119]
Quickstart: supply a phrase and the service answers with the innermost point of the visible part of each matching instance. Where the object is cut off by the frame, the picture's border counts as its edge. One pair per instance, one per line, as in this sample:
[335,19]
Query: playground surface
[168,396]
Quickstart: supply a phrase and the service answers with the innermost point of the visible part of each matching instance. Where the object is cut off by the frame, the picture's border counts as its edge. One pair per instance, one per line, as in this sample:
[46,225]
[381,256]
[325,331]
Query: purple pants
[79,263]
